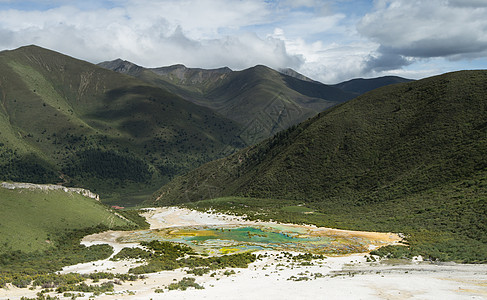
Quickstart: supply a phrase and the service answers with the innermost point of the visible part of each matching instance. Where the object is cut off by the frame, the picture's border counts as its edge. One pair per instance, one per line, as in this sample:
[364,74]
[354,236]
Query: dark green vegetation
[260,99]
[285,211]
[361,86]
[66,250]
[184,284]
[66,120]
[407,158]
[68,282]
[162,256]
[133,216]
[131,253]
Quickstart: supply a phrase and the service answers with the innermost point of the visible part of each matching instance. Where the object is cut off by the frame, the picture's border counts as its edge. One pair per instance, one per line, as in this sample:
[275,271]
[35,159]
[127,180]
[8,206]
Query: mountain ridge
[363,85]
[262,100]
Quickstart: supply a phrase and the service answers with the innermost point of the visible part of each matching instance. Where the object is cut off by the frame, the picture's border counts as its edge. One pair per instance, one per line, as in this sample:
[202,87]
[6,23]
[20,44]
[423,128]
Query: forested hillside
[404,157]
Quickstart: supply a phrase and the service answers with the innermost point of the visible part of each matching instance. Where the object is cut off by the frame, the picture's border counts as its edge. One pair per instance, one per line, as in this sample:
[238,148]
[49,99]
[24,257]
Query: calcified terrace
[216,234]
[219,239]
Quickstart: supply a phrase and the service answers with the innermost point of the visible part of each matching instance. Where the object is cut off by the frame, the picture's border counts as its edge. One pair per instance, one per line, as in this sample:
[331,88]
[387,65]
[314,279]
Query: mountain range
[68,121]
[262,100]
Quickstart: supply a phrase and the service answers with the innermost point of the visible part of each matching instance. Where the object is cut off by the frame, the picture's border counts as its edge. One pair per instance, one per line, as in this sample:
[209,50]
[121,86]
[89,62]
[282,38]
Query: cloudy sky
[329,41]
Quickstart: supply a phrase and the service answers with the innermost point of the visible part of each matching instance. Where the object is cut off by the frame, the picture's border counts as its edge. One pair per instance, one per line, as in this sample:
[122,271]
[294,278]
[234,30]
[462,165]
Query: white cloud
[332,50]
[320,39]
[152,33]
[200,19]
[408,30]
[333,62]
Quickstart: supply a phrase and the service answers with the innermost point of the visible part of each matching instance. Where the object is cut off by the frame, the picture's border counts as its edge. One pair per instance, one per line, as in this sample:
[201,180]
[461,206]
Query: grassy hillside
[260,99]
[397,158]
[65,120]
[40,231]
[31,219]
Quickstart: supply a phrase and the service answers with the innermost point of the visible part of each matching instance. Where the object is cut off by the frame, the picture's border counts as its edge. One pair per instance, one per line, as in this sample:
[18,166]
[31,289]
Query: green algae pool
[234,239]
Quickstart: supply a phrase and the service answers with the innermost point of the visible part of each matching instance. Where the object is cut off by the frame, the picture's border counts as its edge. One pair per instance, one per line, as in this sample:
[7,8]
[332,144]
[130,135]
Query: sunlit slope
[33,219]
[97,128]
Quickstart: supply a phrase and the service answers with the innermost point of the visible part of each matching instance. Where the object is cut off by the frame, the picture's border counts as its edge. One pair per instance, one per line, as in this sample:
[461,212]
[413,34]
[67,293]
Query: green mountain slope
[62,117]
[41,228]
[31,218]
[260,99]
[406,157]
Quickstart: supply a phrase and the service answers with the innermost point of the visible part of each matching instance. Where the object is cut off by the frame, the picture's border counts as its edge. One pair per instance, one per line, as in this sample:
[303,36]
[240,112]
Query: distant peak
[261,67]
[224,69]
[292,73]
[183,67]
[176,67]
[120,65]
[182,72]
[32,48]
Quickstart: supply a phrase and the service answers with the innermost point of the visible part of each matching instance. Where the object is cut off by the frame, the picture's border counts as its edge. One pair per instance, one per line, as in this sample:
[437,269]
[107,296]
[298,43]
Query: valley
[274,272]
[404,158]
[176,182]
[68,121]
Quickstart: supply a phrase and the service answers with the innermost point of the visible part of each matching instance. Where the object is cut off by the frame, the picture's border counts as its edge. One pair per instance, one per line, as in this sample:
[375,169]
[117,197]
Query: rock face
[50,187]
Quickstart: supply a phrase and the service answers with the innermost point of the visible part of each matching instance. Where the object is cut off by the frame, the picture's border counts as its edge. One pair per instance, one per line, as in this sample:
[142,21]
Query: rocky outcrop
[49,187]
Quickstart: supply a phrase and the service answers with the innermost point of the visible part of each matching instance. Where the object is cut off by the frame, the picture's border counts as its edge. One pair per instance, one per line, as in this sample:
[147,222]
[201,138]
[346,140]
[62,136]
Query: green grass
[37,82]
[40,232]
[31,220]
